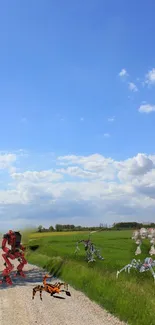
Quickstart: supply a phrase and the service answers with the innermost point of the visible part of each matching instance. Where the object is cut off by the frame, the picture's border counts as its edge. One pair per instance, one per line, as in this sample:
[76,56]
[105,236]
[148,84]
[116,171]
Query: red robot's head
[10,232]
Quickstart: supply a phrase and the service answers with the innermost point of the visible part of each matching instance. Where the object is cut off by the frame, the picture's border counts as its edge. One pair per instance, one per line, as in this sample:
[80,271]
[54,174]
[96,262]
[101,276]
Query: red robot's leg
[6,272]
[23,262]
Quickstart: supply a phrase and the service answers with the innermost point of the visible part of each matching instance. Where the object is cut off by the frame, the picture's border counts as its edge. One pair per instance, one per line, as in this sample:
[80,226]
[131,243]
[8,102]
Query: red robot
[12,238]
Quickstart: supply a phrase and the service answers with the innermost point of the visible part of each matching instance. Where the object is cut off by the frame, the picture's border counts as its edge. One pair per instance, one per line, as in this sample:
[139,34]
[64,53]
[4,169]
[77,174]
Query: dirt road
[18,308]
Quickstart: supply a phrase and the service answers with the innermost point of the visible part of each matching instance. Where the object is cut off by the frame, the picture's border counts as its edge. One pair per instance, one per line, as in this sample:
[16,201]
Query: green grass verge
[131,297]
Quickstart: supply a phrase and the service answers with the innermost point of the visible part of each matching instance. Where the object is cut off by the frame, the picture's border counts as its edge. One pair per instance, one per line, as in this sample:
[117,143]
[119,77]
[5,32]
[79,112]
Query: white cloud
[106,135]
[123,73]
[150,77]
[146,108]
[133,87]
[7,160]
[111,119]
[35,176]
[87,190]
[137,166]
[78,172]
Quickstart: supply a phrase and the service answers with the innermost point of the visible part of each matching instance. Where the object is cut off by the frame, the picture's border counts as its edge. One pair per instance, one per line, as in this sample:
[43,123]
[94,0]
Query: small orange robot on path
[50,288]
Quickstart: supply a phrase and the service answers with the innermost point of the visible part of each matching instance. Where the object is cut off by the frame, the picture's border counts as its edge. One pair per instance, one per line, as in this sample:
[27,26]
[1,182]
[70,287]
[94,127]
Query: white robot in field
[141,234]
[147,265]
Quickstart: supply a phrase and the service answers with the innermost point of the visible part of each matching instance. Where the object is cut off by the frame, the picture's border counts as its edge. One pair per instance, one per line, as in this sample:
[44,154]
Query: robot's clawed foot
[20,273]
[7,280]
[91,260]
[117,274]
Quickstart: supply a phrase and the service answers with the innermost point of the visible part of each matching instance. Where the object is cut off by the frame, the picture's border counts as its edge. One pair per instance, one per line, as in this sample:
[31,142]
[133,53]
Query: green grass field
[131,297]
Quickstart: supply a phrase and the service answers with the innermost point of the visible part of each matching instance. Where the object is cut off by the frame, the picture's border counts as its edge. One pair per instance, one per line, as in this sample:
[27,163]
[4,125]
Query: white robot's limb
[77,249]
[90,256]
[91,260]
[152,272]
[138,250]
[97,253]
[153,263]
[125,268]
[152,250]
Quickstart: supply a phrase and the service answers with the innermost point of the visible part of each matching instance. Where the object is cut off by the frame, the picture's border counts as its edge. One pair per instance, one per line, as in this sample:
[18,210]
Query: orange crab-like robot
[50,288]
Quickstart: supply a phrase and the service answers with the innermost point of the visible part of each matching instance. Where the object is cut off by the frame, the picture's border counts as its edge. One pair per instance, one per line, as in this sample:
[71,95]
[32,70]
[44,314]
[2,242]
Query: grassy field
[131,297]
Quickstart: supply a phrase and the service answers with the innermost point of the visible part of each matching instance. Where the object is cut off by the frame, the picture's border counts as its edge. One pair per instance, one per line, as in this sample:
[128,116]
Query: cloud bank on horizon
[77,121]
[82,190]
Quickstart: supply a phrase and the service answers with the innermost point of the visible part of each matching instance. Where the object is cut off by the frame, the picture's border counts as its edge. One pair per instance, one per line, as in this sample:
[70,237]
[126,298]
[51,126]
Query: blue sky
[60,83]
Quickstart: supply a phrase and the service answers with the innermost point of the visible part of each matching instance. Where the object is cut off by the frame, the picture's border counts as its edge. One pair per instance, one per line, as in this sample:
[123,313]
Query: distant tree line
[102,227]
[59,227]
[132,225]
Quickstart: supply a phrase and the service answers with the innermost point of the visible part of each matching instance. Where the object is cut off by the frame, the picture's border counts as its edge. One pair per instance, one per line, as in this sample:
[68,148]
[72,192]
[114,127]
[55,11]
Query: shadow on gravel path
[33,276]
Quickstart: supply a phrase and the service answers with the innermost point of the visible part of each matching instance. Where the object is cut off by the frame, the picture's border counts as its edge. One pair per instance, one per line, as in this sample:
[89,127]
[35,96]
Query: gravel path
[18,308]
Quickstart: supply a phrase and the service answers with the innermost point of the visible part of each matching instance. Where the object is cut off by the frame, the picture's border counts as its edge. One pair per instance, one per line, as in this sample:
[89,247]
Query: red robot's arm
[22,247]
[4,242]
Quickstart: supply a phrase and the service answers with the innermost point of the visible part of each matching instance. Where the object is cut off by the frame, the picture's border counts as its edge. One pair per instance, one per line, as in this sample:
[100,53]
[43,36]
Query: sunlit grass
[131,297]
[55,233]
